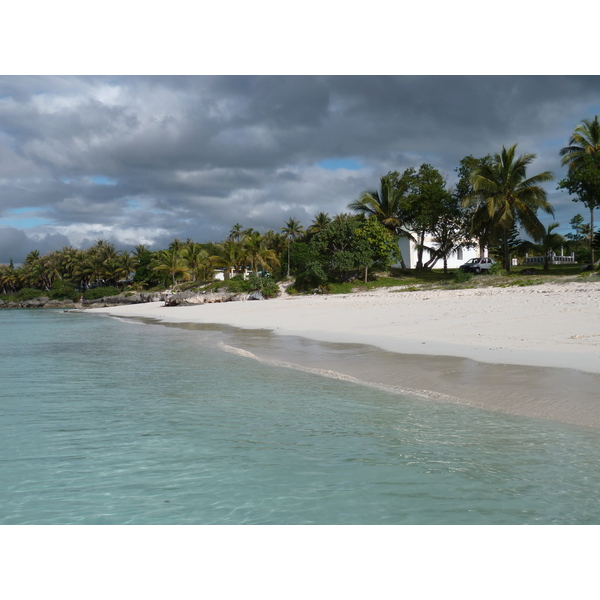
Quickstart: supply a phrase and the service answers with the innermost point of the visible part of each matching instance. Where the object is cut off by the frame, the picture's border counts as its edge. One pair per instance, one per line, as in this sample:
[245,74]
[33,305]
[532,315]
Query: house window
[459,253]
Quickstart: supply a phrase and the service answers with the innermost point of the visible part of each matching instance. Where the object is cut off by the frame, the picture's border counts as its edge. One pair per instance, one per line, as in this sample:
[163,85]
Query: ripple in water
[106,422]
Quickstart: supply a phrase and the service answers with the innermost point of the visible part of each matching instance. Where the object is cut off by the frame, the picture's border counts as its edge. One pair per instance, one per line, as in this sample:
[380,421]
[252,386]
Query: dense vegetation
[494,200]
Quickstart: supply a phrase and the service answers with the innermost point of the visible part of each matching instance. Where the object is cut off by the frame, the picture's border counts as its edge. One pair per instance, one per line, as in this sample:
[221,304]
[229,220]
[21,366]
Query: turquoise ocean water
[110,422]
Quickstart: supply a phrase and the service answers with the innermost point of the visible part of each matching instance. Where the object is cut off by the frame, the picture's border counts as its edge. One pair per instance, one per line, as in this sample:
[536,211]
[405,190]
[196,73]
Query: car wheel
[477,270]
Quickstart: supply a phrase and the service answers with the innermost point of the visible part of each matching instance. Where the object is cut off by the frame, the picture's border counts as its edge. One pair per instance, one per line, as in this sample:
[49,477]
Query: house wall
[409,254]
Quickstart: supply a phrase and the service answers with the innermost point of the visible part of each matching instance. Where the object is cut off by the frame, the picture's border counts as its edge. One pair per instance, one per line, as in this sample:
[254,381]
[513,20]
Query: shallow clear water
[110,422]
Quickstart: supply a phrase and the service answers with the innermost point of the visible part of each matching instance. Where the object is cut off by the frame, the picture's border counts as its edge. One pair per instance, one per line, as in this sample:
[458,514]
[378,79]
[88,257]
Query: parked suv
[477,265]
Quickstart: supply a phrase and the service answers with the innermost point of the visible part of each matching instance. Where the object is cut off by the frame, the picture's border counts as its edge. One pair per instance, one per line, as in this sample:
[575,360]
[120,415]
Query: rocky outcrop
[170,299]
[193,298]
[61,304]
[42,302]
[121,299]
[35,302]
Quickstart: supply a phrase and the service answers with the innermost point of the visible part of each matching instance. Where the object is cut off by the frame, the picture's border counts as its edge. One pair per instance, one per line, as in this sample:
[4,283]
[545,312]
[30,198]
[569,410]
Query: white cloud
[194,155]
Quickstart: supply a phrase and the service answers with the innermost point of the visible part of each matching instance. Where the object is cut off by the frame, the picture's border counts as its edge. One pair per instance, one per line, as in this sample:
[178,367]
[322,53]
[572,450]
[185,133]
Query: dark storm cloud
[191,156]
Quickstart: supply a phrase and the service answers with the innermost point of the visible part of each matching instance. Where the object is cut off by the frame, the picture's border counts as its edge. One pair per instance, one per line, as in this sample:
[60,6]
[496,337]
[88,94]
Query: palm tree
[9,278]
[172,264]
[259,254]
[585,141]
[320,221]
[386,205]
[127,264]
[550,242]
[505,195]
[584,146]
[50,269]
[231,255]
[195,256]
[236,233]
[275,241]
[292,230]
[176,245]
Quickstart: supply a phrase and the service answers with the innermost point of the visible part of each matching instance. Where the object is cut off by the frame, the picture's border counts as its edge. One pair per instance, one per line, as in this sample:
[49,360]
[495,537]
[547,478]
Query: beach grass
[414,280]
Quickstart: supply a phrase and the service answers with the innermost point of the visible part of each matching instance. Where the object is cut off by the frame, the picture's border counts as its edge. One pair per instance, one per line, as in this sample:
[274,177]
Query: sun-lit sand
[505,330]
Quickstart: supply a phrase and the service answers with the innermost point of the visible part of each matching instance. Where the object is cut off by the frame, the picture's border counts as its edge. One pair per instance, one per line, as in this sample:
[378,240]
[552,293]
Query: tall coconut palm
[503,191]
[68,260]
[236,233]
[386,205]
[127,264]
[275,241]
[195,256]
[172,264]
[292,231]
[230,255]
[9,278]
[259,253]
[50,269]
[320,221]
[550,242]
[585,141]
[584,150]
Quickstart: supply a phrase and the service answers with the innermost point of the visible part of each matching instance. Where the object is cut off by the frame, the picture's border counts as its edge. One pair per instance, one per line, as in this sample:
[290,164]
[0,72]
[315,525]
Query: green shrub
[24,294]
[62,289]
[313,277]
[263,284]
[463,277]
[100,292]
[237,284]
[341,288]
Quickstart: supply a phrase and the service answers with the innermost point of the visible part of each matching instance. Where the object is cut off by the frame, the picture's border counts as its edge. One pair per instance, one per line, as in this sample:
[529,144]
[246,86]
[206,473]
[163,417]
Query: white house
[224,274]
[408,248]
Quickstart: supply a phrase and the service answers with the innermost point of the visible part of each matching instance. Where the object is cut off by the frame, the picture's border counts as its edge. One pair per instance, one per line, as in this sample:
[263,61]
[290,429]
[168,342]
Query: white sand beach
[537,348]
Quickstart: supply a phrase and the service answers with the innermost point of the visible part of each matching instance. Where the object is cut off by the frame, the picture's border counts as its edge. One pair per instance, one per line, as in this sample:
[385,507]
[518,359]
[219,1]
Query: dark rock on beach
[35,302]
[61,304]
[193,298]
[176,299]
[121,299]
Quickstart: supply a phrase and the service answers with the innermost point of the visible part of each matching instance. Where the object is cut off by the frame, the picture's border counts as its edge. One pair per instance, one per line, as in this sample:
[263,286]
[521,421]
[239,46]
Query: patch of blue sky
[21,220]
[333,164]
[103,180]
[20,211]
[134,204]
[94,179]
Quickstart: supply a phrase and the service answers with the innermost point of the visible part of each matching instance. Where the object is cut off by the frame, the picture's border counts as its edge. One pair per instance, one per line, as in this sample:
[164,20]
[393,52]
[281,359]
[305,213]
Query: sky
[145,159]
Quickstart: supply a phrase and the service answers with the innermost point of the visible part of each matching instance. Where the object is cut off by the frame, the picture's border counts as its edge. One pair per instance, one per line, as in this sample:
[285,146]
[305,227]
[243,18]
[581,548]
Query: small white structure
[554,259]
[408,248]
[224,274]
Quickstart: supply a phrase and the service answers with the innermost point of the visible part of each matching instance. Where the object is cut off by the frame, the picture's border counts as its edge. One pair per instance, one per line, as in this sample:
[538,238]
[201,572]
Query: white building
[225,274]
[408,248]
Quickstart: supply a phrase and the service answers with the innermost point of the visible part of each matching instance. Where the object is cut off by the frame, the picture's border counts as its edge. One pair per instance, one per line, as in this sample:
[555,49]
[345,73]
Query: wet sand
[531,351]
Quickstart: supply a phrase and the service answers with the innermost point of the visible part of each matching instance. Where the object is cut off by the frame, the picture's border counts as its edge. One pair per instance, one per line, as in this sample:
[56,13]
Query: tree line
[492,200]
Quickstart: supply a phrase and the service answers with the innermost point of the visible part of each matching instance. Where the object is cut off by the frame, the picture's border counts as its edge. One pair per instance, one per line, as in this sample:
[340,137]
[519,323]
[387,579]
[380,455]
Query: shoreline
[528,351]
